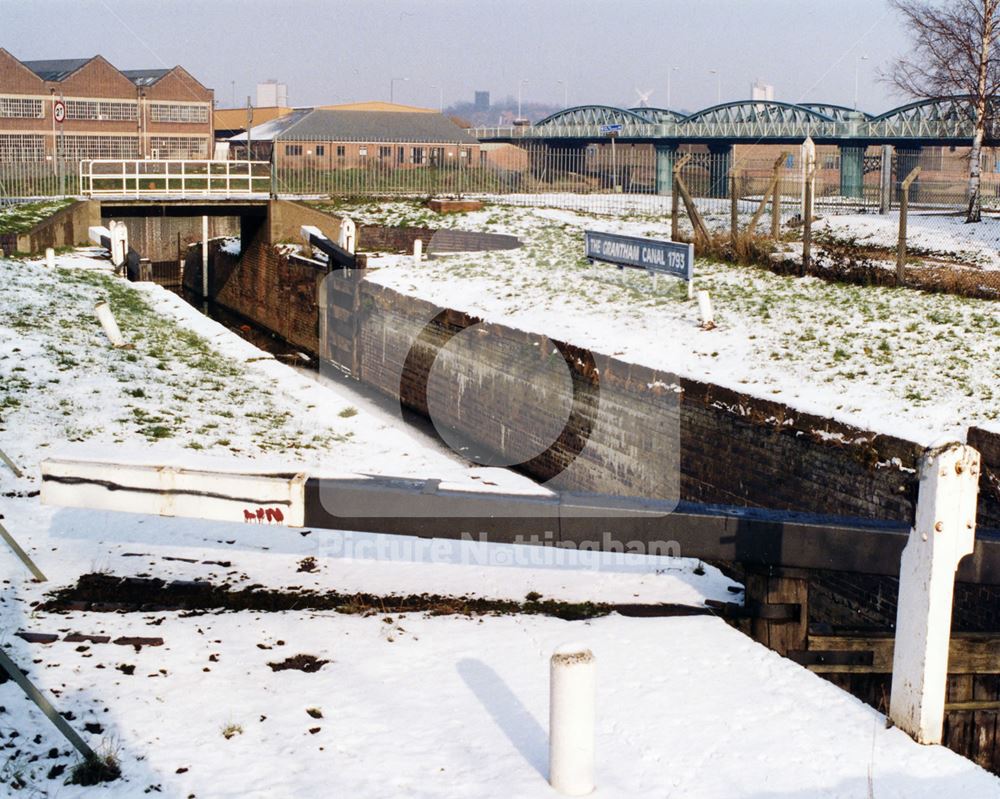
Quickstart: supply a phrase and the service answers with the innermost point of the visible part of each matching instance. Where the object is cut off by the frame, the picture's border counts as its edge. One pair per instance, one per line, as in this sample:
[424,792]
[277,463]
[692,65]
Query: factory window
[101,110]
[341,151]
[17,147]
[464,153]
[320,149]
[178,146]
[363,152]
[171,112]
[385,152]
[99,147]
[20,107]
[418,155]
[293,149]
[401,155]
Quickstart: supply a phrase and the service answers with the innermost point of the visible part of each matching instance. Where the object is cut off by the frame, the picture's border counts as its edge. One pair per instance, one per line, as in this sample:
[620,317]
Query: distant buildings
[359,135]
[272,94]
[761,91]
[482,102]
[85,108]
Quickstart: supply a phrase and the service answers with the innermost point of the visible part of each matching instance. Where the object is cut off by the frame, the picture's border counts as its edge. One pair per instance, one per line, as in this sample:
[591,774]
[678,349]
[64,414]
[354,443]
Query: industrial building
[86,108]
[359,135]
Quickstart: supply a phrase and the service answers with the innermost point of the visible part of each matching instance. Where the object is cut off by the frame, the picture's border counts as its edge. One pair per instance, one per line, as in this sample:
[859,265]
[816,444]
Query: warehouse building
[86,108]
[357,136]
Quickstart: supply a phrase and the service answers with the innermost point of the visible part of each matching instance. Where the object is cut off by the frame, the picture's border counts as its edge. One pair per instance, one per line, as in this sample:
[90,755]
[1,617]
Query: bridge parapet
[176,180]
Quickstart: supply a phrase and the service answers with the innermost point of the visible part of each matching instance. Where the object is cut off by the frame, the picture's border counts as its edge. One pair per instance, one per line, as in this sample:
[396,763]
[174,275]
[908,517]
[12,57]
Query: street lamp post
[392,88]
[521,83]
[857,74]
[670,72]
[440,97]
[718,87]
[565,85]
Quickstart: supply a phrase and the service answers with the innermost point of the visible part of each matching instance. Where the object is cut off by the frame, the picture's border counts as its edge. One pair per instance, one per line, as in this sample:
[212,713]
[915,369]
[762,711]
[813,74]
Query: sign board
[658,257]
[607,130]
[59,111]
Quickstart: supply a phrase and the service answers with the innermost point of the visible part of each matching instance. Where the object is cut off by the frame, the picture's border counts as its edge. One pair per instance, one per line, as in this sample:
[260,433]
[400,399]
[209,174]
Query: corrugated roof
[373,126]
[236,118]
[144,77]
[56,68]
[271,129]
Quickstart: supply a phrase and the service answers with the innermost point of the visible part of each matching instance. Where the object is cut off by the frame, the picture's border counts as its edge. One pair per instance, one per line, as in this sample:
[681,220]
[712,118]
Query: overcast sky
[347,50]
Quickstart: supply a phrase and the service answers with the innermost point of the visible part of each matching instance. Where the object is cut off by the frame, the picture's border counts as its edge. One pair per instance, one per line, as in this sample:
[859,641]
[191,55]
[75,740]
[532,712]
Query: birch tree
[955,53]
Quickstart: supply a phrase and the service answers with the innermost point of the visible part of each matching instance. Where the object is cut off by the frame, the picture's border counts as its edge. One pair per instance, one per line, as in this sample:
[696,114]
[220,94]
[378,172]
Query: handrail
[174,178]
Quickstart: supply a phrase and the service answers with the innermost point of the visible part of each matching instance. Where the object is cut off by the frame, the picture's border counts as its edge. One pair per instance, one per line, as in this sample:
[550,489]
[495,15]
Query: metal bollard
[572,699]
[418,248]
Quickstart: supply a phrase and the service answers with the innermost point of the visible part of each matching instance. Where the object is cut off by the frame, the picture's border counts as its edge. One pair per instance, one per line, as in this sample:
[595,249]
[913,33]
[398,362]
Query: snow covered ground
[934,234]
[408,705]
[893,361]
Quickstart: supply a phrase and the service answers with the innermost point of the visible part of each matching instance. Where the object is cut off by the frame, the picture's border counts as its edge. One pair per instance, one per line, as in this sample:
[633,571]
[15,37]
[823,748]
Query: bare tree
[954,54]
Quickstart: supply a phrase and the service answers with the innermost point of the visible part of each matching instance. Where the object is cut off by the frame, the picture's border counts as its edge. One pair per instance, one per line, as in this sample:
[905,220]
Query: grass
[22,217]
[231,730]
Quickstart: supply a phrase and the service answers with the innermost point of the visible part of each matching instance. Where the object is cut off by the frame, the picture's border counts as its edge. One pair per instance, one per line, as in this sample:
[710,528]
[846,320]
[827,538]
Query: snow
[893,361]
[409,705]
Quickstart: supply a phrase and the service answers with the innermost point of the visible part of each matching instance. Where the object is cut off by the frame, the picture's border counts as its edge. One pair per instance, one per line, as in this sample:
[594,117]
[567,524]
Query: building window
[20,107]
[293,149]
[464,153]
[341,151]
[99,146]
[17,147]
[363,152]
[320,149]
[171,112]
[437,156]
[401,155]
[385,152]
[418,155]
[178,146]
[101,110]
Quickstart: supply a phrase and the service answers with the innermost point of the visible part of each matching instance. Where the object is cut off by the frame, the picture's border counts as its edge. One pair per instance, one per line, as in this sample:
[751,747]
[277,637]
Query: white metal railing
[176,179]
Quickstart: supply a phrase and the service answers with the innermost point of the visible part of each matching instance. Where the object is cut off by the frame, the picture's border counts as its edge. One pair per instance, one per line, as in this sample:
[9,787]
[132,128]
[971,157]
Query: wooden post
[675,199]
[10,464]
[885,181]
[734,211]
[904,207]
[809,178]
[779,603]
[776,197]
[944,533]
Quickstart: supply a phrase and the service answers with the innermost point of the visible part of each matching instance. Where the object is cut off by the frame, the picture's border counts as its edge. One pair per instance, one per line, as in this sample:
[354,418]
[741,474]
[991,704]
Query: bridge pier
[719,163]
[852,171]
[665,156]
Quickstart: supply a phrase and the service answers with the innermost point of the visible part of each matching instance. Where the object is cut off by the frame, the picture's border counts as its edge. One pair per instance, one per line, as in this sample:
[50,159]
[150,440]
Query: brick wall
[64,228]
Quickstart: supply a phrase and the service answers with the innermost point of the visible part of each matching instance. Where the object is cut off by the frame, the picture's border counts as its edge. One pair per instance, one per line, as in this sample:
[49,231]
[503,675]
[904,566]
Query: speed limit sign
[59,111]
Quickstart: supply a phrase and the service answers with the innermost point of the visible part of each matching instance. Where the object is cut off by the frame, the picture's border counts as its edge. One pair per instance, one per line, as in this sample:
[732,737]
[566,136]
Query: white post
[573,689]
[204,257]
[705,306]
[348,234]
[119,243]
[944,533]
[418,247]
[50,258]
[107,320]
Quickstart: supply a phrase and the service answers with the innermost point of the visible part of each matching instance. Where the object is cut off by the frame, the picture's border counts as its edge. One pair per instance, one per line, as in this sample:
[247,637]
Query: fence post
[776,198]
[809,173]
[885,182]
[944,533]
[734,211]
[675,198]
[904,208]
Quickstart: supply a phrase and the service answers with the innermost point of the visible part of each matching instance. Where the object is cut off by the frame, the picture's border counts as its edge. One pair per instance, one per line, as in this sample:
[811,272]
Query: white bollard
[119,243]
[705,306]
[348,235]
[50,258]
[572,698]
[109,324]
[418,248]
[944,533]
